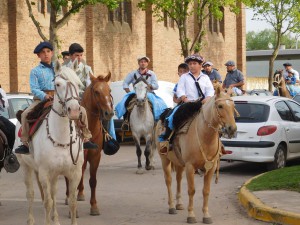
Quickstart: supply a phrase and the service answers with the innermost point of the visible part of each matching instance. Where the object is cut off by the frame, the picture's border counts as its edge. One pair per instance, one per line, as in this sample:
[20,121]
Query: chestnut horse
[279,84]
[98,103]
[198,148]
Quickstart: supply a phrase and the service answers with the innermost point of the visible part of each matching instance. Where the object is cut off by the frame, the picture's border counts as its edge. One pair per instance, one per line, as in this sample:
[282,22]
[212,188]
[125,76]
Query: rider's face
[207,68]
[77,55]
[143,64]
[195,67]
[230,68]
[45,55]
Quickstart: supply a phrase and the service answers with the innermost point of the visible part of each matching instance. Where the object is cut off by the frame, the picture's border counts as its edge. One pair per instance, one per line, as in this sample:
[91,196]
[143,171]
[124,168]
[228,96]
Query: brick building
[112,41]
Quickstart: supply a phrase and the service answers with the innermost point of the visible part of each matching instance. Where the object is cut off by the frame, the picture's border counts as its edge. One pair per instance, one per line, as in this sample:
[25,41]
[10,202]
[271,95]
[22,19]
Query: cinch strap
[200,93]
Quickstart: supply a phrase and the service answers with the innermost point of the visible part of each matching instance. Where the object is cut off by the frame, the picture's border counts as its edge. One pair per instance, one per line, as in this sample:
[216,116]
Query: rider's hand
[48,97]
[149,87]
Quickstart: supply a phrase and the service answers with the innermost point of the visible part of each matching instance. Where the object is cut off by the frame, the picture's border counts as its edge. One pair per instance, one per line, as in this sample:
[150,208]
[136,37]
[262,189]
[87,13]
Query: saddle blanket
[158,104]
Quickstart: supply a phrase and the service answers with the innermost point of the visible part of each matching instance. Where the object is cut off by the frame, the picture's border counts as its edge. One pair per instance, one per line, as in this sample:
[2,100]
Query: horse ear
[108,76]
[75,65]
[218,91]
[57,67]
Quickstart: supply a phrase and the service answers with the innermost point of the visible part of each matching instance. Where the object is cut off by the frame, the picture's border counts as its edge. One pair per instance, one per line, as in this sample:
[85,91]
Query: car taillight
[266,130]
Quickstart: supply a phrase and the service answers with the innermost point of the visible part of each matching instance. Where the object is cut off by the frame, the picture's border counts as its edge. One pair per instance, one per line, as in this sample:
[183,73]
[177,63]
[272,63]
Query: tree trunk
[53,34]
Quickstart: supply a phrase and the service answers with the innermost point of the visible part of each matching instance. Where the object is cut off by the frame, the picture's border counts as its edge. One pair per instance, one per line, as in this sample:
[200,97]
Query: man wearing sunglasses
[212,73]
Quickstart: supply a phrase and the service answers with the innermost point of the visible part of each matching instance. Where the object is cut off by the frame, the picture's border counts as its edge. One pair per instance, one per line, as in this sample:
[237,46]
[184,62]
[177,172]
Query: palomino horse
[98,103]
[279,84]
[200,149]
[56,148]
[142,124]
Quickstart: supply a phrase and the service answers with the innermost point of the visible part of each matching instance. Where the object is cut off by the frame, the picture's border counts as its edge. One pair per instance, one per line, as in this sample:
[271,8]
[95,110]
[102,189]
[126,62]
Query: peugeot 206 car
[268,131]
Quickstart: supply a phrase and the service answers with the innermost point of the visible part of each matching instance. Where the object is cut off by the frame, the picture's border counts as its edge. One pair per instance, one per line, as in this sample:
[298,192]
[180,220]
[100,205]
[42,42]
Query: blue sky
[254,25]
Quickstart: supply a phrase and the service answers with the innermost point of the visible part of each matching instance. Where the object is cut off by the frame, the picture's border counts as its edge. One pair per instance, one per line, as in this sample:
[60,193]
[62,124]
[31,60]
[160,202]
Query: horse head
[101,96]
[277,78]
[141,88]
[225,111]
[66,98]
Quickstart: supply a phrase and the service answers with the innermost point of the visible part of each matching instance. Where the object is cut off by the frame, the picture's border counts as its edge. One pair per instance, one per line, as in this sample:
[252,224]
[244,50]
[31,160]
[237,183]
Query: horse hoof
[94,212]
[80,198]
[172,211]
[191,220]
[207,220]
[140,171]
[66,201]
[77,216]
[179,207]
[148,167]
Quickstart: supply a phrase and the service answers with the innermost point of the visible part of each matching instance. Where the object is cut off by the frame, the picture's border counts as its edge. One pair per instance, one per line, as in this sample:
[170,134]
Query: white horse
[142,124]
[55,148]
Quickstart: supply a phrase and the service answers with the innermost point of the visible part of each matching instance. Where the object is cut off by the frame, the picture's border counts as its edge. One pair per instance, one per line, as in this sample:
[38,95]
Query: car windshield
[252,112]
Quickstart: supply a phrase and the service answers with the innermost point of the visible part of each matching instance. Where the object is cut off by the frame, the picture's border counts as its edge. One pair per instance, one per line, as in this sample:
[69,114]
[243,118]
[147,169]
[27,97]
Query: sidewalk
[280,206]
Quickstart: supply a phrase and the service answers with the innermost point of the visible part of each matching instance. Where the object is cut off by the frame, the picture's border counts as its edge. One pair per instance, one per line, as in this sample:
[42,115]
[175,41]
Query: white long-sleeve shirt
[186,86]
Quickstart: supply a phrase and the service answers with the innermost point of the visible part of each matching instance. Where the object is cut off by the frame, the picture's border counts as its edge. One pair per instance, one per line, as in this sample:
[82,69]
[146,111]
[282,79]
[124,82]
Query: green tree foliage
[283,16]
[260,40]
[59,19]
[183,10]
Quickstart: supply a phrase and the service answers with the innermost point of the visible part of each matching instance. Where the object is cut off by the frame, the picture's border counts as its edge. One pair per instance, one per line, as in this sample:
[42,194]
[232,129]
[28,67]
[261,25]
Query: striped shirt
[41,79]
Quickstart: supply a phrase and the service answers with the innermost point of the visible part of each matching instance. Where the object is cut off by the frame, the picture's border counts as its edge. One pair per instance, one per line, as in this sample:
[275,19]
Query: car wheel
[279,158]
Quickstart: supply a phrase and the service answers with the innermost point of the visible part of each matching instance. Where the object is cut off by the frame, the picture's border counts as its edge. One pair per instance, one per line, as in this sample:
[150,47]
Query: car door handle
[287,129]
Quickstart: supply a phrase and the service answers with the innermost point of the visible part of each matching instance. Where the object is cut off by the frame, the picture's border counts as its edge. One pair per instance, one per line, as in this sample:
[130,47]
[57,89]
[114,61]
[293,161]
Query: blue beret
[42,45]
[230,63]
[287,64]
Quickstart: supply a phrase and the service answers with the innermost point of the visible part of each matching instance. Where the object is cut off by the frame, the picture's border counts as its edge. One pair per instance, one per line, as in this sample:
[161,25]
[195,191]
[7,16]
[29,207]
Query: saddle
[182,120]
[36,117]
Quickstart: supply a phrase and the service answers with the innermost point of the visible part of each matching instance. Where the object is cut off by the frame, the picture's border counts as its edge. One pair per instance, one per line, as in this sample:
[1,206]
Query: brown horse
[98,103]
[198,148]
[279,84]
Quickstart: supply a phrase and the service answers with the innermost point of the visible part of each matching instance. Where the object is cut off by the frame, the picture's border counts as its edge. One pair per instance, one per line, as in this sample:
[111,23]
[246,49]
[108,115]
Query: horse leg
[206,189]
[139,154]
[147,152]
[167,168]
[80,196]
[39,185]
[53,196]
[153,148]
[93,183]
[190,171]
[73,184]
[67,191]
[48,202]
[179,172]
[29,193]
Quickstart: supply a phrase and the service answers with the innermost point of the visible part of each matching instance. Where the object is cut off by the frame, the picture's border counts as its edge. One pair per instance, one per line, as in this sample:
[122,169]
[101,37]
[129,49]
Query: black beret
[40,46]
[65,53]
[287,64]
[75,47]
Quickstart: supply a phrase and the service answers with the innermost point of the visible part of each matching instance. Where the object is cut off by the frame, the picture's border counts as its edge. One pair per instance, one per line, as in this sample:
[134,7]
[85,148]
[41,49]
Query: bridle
[219,117]
[98,105]
[138,104]
[69,88]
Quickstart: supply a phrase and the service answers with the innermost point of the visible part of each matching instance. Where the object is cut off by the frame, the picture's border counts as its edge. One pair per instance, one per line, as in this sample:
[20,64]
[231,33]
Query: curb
[258,210]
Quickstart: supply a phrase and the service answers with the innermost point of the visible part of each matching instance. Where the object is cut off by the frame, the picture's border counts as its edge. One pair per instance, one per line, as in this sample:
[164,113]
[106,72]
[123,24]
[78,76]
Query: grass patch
[282,179]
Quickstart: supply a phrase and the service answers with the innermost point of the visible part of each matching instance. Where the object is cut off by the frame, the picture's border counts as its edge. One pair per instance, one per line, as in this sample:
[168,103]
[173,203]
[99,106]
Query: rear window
[252,112]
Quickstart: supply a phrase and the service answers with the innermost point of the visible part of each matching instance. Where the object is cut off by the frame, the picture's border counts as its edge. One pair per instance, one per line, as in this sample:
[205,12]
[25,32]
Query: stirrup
[125,126]
[164,147]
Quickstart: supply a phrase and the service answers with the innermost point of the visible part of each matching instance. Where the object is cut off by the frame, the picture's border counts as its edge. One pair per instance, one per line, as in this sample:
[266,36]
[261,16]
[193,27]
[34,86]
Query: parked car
[268,131]
[16,102]
[259,92]
[297,98]
[165,91]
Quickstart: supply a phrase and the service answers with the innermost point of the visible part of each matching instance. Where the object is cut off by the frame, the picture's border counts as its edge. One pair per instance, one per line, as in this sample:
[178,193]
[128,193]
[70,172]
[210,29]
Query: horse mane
[69,74]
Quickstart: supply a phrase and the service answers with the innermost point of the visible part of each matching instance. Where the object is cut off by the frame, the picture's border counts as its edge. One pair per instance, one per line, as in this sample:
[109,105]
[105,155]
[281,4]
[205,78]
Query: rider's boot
[22,149]
[90,145]
[125,125]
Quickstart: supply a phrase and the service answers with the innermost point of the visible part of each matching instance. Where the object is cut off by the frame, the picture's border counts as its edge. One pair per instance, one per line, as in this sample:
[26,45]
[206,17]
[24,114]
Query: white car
[16,102]
[268,131]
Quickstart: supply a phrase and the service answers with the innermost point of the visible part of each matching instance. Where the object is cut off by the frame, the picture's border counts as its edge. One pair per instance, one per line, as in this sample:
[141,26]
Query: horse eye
[57,85]
[220,106]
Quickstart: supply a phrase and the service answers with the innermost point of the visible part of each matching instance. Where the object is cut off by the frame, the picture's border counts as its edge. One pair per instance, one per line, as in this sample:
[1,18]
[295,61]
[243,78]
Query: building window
[168,22]
[122,14]
[215,25]
[45,7]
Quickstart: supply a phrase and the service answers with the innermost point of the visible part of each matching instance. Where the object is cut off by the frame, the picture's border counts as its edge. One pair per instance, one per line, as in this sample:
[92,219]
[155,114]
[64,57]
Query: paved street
[127,198]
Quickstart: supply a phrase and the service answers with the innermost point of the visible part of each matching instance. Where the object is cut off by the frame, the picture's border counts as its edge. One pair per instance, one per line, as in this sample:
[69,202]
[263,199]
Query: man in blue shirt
[212,73]
[41,85]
